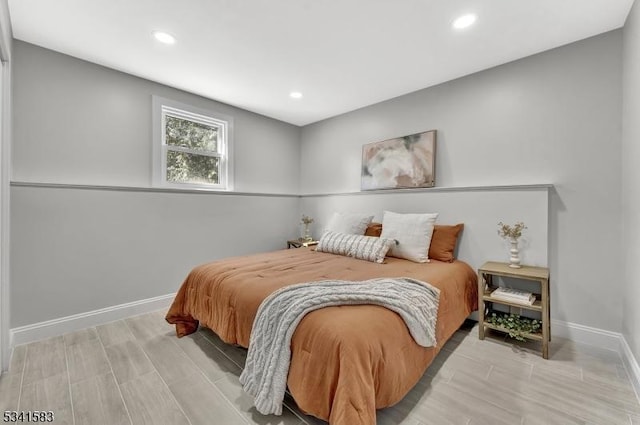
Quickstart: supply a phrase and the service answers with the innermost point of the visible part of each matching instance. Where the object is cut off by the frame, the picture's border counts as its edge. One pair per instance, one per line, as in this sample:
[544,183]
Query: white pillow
[361,247]
[412,232]
[353,223]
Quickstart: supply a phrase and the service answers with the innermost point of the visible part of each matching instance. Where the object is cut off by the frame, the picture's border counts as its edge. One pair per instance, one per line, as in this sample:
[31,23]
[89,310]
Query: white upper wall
[81,123]
[550,118]
[630,246]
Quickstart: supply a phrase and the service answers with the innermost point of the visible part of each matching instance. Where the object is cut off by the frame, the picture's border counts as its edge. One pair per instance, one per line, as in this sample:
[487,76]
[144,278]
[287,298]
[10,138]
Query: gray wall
[5,26]
[77,122]
[631,179]
[5,164]
[77,250]
[550,118]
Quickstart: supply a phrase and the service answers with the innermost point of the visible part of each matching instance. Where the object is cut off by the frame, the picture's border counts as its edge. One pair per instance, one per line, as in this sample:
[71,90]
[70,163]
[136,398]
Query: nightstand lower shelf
[536,336]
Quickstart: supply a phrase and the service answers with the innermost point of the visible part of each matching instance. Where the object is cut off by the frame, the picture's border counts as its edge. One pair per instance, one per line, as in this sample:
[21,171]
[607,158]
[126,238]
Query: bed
[346,361]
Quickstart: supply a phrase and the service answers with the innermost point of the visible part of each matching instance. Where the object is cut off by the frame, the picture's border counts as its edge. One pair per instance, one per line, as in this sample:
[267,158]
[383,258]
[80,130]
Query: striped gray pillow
[358,246]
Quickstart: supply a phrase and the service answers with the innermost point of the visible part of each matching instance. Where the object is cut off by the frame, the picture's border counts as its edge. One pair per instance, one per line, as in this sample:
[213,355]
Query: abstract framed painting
[400,163]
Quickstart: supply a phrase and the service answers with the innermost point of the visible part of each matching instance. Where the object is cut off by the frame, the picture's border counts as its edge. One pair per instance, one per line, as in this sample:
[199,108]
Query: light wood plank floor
[135,371]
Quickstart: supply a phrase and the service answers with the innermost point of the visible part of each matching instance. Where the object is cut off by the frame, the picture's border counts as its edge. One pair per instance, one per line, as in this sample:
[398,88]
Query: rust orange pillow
[373,229]
[444,241]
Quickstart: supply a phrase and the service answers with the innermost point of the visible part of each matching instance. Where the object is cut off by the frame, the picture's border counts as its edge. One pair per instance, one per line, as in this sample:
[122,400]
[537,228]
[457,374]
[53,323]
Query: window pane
[183,167]
[190,135]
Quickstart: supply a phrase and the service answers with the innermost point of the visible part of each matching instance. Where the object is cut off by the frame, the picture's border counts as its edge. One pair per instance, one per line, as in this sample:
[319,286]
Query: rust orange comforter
[346,361]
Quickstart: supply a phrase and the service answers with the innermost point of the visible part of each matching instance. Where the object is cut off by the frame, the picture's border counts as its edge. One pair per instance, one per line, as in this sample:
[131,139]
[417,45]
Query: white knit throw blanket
[265,372]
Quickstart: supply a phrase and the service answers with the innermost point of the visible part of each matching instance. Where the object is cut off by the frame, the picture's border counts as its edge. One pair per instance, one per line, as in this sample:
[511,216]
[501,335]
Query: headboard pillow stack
[416,237]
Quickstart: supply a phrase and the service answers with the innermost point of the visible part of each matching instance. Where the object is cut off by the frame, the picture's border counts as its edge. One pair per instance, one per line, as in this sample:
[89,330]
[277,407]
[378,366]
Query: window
[192,147]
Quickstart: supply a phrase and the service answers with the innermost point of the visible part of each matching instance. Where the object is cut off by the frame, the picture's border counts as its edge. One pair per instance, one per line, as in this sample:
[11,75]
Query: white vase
[307,234]
[514,259]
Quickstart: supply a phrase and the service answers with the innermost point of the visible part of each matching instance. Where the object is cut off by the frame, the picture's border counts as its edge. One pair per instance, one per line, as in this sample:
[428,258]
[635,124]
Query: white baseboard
[76,322]
[586,335]
[613,341]
[631,364]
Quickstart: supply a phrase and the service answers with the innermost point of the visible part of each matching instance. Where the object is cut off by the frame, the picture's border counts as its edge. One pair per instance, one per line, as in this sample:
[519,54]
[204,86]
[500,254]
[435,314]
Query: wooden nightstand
[486,287]
[297,243]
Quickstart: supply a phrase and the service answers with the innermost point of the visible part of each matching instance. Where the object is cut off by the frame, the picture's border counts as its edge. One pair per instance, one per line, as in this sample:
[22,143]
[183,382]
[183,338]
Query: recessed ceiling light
[295,95]
[464,21]
[164,37]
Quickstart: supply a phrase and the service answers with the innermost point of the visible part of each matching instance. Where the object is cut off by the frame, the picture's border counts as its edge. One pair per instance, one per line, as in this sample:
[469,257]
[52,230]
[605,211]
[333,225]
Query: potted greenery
[516,326]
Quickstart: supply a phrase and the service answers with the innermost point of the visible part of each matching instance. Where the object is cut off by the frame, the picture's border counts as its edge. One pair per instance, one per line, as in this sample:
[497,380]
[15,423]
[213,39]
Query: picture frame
[400,163]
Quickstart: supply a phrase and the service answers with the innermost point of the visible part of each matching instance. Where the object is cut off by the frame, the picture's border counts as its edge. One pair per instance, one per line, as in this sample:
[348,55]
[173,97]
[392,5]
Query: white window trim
[160,106]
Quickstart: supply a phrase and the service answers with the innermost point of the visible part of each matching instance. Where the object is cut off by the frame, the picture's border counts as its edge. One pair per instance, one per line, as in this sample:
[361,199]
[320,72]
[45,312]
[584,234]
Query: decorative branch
[511,232]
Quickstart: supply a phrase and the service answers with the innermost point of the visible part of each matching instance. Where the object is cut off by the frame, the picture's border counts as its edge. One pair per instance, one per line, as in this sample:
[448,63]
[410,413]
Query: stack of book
[513,295]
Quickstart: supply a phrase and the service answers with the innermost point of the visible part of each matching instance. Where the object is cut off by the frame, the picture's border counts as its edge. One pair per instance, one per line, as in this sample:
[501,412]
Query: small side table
[486,287]
[297,243]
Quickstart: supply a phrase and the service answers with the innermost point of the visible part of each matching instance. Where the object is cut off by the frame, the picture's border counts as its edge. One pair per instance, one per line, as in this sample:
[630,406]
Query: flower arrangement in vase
[306,220]
[512,233]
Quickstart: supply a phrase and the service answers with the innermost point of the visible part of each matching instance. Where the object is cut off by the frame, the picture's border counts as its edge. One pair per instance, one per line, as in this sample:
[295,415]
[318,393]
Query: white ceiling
[341,54]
